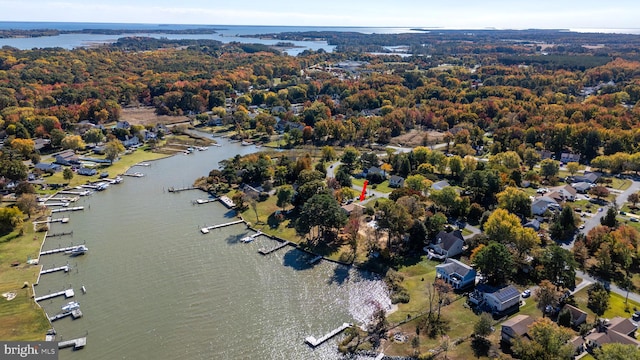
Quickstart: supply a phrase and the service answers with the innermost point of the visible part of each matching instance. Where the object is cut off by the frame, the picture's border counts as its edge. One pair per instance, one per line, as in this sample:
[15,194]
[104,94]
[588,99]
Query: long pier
[50,220]
[61,234]
[205,230]
[177,190]
[67,294]
[75,314]
[59,250]
[273,249]
[75,208]
[79,193]
[65,268]
[77,344]
[313,342]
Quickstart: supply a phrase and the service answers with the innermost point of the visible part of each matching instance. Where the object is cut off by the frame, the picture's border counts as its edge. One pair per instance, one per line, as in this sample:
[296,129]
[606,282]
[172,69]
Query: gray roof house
[446,245]
[440,185]
[581,187]
[617,330]
[396,181]
[569,157]
[456,273]
[49,168]
[86,171]
[577,316]
[496,300]
[540,205]
[590,177]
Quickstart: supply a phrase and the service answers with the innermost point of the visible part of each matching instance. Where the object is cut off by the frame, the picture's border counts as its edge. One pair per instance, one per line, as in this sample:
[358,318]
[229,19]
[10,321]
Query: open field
[148,116]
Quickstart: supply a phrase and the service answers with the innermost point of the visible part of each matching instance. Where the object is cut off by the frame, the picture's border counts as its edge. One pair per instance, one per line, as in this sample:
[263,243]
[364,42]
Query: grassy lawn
[21,318]
[619,184]
[617,306]
[382,187]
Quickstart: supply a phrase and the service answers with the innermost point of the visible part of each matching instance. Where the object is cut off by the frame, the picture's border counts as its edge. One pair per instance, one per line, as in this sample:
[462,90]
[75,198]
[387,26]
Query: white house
[540,205]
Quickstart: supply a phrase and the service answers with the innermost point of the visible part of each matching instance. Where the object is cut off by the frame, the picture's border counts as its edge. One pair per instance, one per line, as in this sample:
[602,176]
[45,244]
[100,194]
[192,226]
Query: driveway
[371,194]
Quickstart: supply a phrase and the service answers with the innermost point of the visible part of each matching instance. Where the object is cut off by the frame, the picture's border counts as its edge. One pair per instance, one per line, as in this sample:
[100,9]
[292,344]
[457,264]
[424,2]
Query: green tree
[530,157]
[548,342]
[350,157]
[546,295]
[394,218]
[416,182]
[113,149]
[515,201]
[548,168]
[321,211]
[502,226]
[11,218]
[456,166]
[633,198]
[27,203]
[328,153]
[73,142]
[93,136]
[494,261]
[617,351]
[67,174]
[573,167]
[598,298]
[564,224]
[483,326]
[559,266]
[609,219]
[285,195]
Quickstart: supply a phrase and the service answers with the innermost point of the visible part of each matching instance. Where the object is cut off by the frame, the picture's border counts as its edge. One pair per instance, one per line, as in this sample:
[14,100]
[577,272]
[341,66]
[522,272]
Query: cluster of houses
[553,199]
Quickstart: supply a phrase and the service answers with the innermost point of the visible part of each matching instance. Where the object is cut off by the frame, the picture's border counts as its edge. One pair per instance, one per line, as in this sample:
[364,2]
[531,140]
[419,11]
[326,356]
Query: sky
[464,14]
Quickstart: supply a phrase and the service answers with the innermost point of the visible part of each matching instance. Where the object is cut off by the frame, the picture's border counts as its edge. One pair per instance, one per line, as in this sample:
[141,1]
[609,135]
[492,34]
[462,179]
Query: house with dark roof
[349,208]
[123,124]
[446,245]
[87,171]
[617,330]
[131,142]
[440,185]
[578,316]
[540,205]
[589,177]
[533,224]
[545,154]
[496,300]
[375,171]
[456,273]
[515,327]
[566,192]
[48,168]
[396,181]
[569,157]
[581,187]
[67,157]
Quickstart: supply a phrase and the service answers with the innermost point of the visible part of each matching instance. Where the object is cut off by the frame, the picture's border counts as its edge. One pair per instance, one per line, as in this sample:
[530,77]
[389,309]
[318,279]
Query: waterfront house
[86,171]
[349,208]
[67,157]
[131,142]
[496,300]
[516,327]
[456,273]
[396,181]
[578,316]
[446,244]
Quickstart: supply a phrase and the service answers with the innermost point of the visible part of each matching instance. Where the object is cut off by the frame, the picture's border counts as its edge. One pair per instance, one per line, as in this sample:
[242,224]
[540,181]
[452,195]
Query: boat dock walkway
[75,208]
[63,198]
[76,314]
[77,344]
[205,230]
[227,202]
[50,220]
[315,260]
[136,174]
[65,268]
[60,234]
[58,250]
[67,294]
[177,190]
[79,193]
[315,342]
[273,249]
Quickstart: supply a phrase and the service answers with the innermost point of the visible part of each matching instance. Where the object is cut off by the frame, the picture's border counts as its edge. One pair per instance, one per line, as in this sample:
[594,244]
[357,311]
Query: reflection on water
[158,288]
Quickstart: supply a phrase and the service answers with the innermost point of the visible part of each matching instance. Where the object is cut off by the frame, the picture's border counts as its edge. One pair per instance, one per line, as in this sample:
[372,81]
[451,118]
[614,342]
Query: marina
[313,342]
[205,230]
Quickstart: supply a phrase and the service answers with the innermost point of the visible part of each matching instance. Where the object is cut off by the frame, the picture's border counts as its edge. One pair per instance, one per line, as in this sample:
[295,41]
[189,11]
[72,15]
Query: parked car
[526,293]
[633,219]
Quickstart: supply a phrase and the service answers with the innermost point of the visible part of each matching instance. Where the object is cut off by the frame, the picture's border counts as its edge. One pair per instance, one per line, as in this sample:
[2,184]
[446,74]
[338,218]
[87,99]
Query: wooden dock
[313,342]
[65,268]
[75,314]
[273,249]
[75,208]
[177,190]
[205,230]
[61,234]
[59,250]
[77,344]
[67,294]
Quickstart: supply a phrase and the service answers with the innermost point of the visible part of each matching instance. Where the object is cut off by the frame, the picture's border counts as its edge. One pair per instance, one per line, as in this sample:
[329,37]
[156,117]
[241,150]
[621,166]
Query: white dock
[205,230]
[75,314]
[75,208]
[315,260]
[67,294]
[75,343]
[59,250]
[79,193]
[313,342]
[65,268]
[56,204]
[135,174]
[50,220]
[205,201]
[250,238]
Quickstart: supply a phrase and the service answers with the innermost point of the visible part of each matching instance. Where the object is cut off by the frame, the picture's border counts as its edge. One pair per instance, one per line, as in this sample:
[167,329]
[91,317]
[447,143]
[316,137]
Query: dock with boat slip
[75,314]
[205,230]
[273,249]
[79,193]
[177,190]
[58,250]
[77,344]
[67,294]
[313,342]
[227,202]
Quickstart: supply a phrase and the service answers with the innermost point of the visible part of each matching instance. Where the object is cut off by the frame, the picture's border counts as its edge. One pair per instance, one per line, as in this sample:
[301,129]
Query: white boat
[78,250]
[71,305]
[246,239]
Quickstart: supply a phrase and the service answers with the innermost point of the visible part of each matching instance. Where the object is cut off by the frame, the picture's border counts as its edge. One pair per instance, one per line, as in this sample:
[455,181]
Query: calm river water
[157,288]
